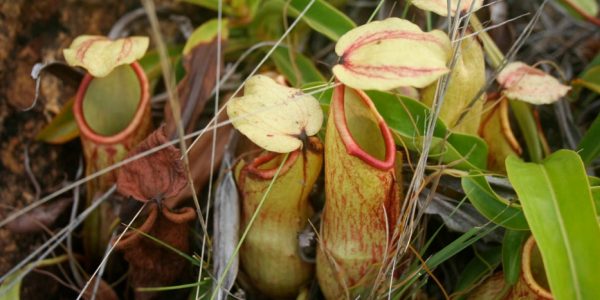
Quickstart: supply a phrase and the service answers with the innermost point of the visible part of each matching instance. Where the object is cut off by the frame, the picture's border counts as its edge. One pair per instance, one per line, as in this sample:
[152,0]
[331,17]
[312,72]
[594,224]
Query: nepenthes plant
[311,149]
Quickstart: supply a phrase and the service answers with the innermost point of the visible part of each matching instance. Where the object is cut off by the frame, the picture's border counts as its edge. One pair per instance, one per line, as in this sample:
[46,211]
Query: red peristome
[133,125]
[352,146]
[254,167]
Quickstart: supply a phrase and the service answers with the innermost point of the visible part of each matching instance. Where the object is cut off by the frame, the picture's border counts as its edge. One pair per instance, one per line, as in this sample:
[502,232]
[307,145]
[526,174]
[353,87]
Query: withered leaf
[525,83]
[39,218]
[152,264]
[195,88]
[156,176]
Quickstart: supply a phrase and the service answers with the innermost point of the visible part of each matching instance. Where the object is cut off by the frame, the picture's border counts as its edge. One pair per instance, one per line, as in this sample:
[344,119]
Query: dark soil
[30,32]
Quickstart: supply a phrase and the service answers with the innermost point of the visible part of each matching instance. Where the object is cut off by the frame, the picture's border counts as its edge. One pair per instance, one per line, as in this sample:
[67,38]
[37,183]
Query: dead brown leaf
[156,176]
[39,218]
[151,264]
[196,87]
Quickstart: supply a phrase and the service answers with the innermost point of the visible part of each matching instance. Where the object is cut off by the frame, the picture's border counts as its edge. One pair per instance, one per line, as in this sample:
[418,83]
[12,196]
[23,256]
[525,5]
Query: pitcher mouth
[352,146]
[92,135]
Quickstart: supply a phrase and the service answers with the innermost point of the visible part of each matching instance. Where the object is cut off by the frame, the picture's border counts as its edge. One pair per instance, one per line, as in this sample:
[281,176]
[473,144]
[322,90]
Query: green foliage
[297,68]
[10,289]
[557,202]
[512,246]
[407,118]
[589,147]
[497,209]
[579,8]
[482,265]
[62,128]
[322,17]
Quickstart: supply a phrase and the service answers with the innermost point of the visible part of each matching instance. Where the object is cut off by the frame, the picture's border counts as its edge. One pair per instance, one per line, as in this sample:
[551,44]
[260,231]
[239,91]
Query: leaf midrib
[563,232]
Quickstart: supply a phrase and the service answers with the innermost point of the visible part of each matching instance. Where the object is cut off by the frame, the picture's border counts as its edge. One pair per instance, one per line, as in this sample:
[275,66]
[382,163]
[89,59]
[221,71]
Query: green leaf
[151,63]
[497,209]
[596,195]
[62,128]
[8,292]
[322,17]
[595,188]
[512,246]
[407,118]
[306,70]
[559,208]
[589,147]
[482,265]
[10,289]
[465,240]
[590,79]
[579,7]
[205,33]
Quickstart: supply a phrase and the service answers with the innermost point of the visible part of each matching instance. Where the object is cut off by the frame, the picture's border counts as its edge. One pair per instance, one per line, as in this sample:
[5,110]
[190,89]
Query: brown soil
[31,32]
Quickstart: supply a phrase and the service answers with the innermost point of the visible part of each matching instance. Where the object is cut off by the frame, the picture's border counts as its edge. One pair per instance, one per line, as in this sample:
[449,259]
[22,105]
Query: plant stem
[521,109]
[529,130]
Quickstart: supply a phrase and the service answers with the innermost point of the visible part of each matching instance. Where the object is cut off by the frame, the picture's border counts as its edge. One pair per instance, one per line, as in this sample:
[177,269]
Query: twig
[72,261]
[34,182]
[214,136]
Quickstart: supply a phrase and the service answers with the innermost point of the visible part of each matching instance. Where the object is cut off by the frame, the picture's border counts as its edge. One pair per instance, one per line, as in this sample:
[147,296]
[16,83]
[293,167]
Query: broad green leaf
[589,147]
[306,70]
[497,209]
[151,64]
[512,246]
[205,33]
[559,208]
[62,128]
[460,156]
[482,265]
[407,118]
[596,196]
[322,17]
